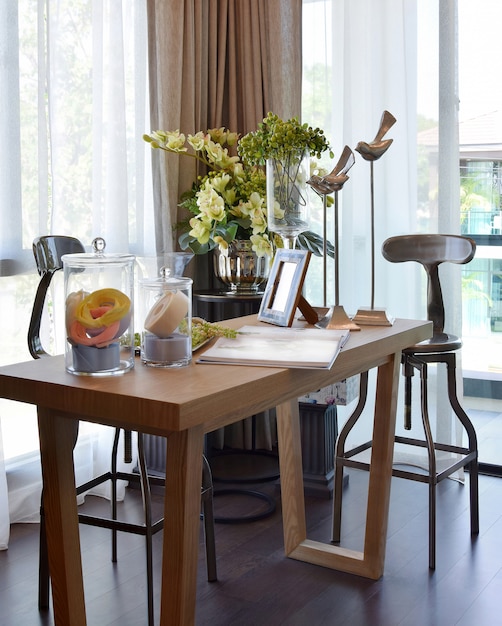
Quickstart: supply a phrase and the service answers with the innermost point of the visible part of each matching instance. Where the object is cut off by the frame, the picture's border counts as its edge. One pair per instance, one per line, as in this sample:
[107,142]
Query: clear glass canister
[99,297]
[165,305]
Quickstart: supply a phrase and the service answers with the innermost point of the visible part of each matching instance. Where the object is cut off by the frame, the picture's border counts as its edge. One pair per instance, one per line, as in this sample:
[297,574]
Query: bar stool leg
[431,453]
[340,455]
[208,515]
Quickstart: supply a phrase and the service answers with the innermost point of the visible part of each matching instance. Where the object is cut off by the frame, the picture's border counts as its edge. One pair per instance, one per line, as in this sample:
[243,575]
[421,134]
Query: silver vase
[240,269]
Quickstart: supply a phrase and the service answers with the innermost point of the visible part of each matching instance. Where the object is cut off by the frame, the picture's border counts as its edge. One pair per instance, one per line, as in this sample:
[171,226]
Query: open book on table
[278,347]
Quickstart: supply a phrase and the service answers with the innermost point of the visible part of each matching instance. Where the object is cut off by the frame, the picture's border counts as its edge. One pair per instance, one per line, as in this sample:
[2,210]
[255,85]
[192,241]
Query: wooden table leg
[181,527]
[370,562]
[57,435]
[384,427]
[291,470]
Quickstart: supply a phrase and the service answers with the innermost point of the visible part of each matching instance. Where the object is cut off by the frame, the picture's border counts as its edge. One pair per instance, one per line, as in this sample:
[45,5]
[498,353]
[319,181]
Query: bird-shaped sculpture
[379,146]
[317,185]
[338,177]
[325,185]
[372,152]
[335,180]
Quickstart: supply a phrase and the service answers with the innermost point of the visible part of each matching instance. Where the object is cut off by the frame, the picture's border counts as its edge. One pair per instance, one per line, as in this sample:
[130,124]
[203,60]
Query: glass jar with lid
[165,305]
[99,316]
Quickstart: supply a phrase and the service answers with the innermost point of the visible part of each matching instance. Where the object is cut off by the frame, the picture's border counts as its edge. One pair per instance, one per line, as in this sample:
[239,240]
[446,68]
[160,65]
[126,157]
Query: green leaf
[309,240]
[228,232]
[190,243]
[184,240]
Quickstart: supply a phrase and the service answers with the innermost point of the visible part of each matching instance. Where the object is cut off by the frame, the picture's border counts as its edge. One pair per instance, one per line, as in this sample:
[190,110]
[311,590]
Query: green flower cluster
[202,331]
[278,139]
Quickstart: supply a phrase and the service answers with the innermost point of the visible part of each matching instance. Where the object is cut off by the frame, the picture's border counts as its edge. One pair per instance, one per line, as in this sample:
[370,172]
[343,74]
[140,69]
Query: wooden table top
[159,401]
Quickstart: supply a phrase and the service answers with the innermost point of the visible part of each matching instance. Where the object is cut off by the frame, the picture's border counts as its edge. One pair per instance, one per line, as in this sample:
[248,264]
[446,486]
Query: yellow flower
[232,138]
[222,136]
[230,196]
[219,155]
[197,141]
[214,151]
[210,203]
[278,212]
[256,201]
[201,228]
[258,221]
[228,162]
[219,183]
[226,202]
[221,243]
[238,172]
[239,210]
[262,245]
[169,140]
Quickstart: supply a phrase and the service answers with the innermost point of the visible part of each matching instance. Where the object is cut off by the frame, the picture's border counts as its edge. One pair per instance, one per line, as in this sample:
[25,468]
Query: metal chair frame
[430,251]
[48,251]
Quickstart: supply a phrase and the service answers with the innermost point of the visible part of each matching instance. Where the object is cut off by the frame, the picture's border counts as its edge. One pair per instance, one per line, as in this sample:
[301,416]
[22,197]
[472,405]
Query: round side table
[215,305]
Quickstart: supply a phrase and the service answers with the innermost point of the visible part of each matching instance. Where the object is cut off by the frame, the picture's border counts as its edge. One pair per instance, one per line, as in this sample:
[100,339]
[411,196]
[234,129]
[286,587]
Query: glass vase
[287,196]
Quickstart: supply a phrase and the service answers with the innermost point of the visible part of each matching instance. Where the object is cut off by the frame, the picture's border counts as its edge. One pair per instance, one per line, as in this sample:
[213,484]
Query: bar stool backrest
[48,252]
[430,250]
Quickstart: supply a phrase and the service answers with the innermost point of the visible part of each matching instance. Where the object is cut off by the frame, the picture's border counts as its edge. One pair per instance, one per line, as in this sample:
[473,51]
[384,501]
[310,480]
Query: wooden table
[183,405]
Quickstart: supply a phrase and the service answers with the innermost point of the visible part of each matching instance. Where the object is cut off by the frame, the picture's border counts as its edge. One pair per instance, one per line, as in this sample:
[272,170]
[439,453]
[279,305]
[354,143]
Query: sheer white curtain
[4,517]
[361,58]
[74,101]
[370,51]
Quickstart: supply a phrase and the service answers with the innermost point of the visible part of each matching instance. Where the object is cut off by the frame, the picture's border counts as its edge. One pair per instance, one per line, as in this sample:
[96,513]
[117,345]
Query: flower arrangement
[228,202]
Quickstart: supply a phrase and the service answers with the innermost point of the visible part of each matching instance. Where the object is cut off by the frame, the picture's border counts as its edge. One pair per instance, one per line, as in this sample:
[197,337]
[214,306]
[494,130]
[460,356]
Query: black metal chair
[48,252]
[430,250]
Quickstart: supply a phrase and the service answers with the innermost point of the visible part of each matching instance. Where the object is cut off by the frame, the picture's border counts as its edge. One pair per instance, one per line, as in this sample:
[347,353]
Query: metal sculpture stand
[372,152]
[336,317]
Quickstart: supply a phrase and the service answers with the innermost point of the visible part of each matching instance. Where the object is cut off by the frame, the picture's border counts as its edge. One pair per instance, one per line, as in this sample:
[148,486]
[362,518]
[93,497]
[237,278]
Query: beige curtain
[216,63]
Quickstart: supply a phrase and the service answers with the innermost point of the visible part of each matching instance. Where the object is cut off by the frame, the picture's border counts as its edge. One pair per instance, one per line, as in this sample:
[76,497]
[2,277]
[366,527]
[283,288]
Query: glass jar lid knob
[165,272]
[98,245]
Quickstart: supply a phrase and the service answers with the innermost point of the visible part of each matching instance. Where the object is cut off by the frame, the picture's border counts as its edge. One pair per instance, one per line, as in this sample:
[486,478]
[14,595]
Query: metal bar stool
[430,250]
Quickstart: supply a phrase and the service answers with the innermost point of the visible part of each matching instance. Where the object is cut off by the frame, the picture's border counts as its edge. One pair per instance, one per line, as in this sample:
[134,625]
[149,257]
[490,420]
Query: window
[408,59]
[73,80]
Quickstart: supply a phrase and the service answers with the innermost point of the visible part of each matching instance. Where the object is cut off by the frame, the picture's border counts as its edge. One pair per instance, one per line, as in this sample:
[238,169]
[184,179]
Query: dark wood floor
[258,586]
